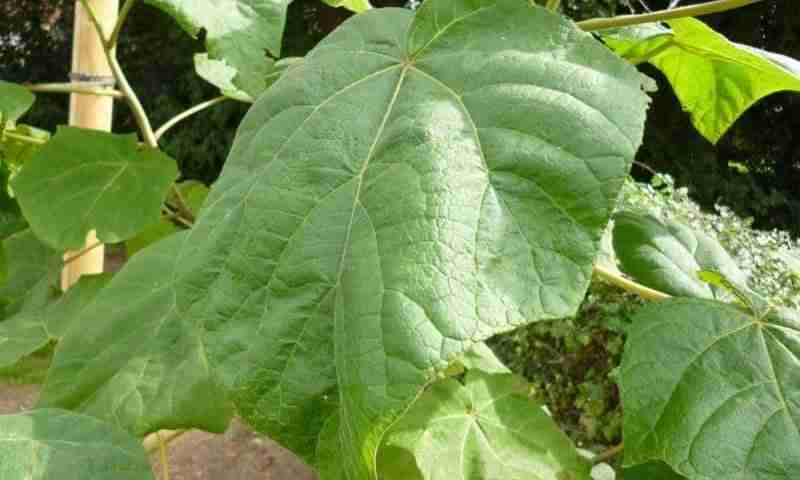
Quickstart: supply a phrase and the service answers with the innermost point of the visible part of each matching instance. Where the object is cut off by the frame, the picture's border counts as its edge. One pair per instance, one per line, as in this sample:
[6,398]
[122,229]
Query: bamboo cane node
[93,80]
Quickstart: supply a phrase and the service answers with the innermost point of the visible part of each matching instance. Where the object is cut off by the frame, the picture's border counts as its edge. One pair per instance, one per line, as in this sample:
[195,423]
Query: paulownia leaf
[194,194]
[487,428]
[31,266]
[238,33]
[38,324]
[357,6]
[668,255]
[55,444]
[715,80]
[85,180]
[416,186]
[221,75]
[650,471]
[713,390]
[15,100]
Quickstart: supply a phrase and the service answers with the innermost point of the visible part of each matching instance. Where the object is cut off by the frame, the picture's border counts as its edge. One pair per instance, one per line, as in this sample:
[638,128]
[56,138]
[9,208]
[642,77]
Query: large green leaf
[668,255]
[59,445]
[487,428]
[713,390]
[15,100]
[650,471]
[31,266]
[416,186]
[715,80]
[238,35]
[42,322]
[85,180]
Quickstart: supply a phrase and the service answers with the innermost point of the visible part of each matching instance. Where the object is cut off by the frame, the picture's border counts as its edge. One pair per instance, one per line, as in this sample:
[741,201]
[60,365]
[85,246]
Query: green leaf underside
[32,267]
[715,80]
[668,256]
[486,429]
[15,100]
[101,181]
[651,471]
[713,391]
[386,205]
[194,193]
[237,32]
[42,321]
[54,444]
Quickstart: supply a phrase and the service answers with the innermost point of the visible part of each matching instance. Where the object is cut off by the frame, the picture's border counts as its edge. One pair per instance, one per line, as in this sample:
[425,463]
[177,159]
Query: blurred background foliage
[754,171]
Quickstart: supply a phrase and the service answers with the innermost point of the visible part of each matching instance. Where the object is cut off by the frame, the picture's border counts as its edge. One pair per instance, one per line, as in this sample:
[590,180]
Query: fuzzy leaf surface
[84,180]
[713,390]
[416,186]
[715,79]
[485,429]
[668,256]
[52,444]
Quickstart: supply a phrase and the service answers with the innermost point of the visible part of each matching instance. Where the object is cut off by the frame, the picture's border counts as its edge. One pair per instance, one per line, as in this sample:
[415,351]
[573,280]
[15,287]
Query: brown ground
[236,455]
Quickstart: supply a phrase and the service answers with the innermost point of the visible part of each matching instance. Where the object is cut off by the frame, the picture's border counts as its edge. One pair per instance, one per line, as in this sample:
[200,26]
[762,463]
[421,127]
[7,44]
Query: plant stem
[123,14]
[25,138]
[661,15]
[184,212]
[73,88]
[188,113]
[152,442]
[608,454]
[629,285]
[164,460]
[652,54]
[133,101]
[82,252]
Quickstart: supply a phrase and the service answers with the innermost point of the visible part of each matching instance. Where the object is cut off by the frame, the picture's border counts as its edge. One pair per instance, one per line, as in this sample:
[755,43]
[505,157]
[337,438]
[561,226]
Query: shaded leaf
[488,428]
[713,390]
[85,180]
[238,33]
[15,100]
[14,151]
[30,265]
[715,79]
[46,320]
[668,256]
[59,445]
[650,471]
[386,206]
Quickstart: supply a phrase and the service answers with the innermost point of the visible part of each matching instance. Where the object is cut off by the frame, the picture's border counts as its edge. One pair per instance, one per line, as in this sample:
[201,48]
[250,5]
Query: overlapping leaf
[715,79]
[54,444]
[221,75]
[101,181]
[487,428]
[33,270]
[238,35]
[713,390]
[15,100]
[651,471]
[668,256]
[357,6]
[416,186]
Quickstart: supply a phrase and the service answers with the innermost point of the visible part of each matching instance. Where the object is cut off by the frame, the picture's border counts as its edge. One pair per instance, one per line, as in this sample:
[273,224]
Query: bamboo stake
[89,111]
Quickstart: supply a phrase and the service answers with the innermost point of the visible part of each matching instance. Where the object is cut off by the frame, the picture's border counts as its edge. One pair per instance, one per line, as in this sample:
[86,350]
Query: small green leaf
[221,75]
[238,33]
[668,256]
[85,180]
[357,6]
[713,390]
[486,429]
[55,444]
[715,79]
[15,101]
[31,265]
[21,145]
[481,357]
[44,321]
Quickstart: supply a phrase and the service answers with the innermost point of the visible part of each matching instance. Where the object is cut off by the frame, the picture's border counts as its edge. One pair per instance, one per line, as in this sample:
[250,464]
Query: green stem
[652,54]
[661,15]
[24,138]
[152,442]
[180,205]
[164,459]
[553,4]
[133,101]
[74,88]
[612,452]
[629,285]
[188,113]
[123,15]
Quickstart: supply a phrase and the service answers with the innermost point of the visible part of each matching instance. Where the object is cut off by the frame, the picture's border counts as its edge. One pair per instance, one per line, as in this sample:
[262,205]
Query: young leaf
[221,75]
[417,185]
[44,321]
[713,390]
[237,32]
[487,428]
[59,445]
[715,80]
[668,256]
[85,180]
[15,101]
[17,149]
[357,6]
